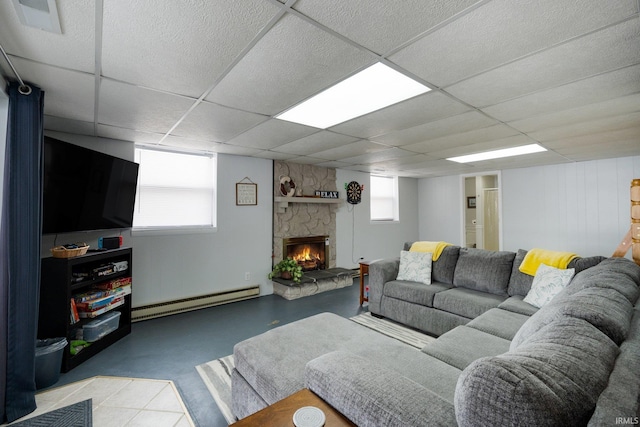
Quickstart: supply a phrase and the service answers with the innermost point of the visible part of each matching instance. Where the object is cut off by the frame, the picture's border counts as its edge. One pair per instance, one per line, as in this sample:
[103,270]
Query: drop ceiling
[211,75]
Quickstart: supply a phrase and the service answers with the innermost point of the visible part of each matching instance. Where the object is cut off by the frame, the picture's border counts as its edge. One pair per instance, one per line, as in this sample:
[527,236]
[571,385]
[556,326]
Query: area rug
[76,415]
[217,373]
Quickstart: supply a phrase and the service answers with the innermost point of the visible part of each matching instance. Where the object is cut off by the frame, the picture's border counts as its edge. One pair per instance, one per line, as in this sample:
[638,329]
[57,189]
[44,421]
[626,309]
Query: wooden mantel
[283,202]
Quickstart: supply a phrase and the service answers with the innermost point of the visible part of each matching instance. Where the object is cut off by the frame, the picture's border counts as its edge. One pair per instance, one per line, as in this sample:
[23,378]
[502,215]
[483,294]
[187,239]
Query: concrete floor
[170,348]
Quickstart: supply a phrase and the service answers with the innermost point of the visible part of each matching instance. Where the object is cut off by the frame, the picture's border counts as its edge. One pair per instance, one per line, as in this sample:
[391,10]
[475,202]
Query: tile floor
[119,402]
[169,348]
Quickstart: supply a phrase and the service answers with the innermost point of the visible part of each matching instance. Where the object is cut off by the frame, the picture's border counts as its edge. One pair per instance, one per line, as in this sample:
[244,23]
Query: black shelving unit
[58,285]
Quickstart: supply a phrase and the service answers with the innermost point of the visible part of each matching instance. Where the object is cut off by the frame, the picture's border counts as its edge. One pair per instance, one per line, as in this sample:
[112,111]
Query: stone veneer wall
[304,219]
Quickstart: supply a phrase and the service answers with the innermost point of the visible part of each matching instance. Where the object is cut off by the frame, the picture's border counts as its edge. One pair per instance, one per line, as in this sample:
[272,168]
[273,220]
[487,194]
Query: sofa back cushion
[554,379]
[442,270]
[484,270]
[519,283]
[620,274]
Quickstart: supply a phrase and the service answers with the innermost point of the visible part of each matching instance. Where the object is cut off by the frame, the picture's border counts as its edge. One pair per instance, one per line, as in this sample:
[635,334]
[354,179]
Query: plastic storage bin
[49,361]
[101,326]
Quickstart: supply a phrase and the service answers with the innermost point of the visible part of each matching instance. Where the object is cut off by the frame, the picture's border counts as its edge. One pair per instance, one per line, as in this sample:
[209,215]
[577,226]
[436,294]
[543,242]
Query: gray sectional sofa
[575,361]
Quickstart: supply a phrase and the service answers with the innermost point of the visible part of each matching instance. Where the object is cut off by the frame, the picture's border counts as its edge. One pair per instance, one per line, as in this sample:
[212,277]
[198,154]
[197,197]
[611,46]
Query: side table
[281,413]
[364,271]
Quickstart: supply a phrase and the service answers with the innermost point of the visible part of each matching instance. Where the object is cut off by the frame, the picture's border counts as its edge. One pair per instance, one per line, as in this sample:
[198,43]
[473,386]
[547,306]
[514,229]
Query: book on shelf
[74,317]
[95,304]
[95,313]
[112,284]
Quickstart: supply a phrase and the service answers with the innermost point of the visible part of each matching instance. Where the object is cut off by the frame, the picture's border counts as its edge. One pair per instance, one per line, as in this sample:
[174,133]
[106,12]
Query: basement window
[176,192]
[384,198]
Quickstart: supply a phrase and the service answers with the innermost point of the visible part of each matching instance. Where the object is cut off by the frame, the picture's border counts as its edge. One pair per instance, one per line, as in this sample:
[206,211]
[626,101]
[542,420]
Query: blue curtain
[20,235]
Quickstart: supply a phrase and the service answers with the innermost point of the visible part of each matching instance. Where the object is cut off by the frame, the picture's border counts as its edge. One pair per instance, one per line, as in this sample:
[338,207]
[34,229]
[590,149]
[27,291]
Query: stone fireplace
[310,252]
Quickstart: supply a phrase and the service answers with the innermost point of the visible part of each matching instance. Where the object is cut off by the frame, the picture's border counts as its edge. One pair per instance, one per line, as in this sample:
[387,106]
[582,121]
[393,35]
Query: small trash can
[49,361]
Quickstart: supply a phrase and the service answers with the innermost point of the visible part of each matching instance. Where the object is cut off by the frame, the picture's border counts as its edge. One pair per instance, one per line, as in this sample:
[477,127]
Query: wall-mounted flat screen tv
[85,190]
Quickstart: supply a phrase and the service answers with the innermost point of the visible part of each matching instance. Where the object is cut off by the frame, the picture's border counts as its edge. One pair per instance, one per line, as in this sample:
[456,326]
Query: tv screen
[85,190]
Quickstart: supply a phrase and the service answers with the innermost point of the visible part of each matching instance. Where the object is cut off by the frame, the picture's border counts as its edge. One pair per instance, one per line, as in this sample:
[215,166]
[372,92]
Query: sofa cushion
[555,379]
[547,283]
[462,345]
[443,269]
[382,399]
[466,302]
[620,274]
[415,267]
[417,293]
[605,309]
[519,283]
[516,304]
[501,323]
[580,264]
[484,270]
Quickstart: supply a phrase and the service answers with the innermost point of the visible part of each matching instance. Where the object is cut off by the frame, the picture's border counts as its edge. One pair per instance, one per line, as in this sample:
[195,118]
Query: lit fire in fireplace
[308,257]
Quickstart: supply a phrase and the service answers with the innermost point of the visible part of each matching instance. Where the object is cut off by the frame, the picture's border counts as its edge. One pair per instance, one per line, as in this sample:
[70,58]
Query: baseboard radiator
[167,308]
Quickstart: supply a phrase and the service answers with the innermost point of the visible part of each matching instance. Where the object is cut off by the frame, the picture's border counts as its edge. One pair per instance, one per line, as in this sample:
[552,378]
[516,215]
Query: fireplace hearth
[311,252]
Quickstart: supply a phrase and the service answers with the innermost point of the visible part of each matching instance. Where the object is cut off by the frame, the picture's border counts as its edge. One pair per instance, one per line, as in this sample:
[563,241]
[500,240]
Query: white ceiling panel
[378,156]
[212,122]
[73,49]
[320,141]
[333,164]
[502,31]
[271,134]
[305,160]
[176,46]
[603,151]
[421,109]
[451,125]
[596,139]
[350,150]
[135,136]
[67,93]
[536,159]
[132,107]
[462,139]
[481,146]
[583,113]
[293,61]
[59,124]
[594,89]
[590,127]
[403,162]
[274,155]
[611,48]
[381,25]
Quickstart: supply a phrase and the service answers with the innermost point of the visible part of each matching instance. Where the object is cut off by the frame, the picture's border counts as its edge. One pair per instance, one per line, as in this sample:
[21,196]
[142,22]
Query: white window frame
[178,228]
[376,217]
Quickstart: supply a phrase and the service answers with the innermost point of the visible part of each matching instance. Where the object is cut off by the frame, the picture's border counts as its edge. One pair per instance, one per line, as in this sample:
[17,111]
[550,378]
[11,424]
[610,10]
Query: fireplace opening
[311,253]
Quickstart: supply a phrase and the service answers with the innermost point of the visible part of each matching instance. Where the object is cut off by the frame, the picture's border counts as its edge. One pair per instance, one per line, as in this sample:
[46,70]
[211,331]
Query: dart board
[354,192]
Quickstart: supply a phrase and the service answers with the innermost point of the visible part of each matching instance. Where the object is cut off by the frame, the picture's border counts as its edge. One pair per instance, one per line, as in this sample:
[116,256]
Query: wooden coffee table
[281,413]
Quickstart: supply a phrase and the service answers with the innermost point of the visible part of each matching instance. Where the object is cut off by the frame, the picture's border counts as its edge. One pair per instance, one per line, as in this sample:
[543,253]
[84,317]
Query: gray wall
[581,207]
[359,237]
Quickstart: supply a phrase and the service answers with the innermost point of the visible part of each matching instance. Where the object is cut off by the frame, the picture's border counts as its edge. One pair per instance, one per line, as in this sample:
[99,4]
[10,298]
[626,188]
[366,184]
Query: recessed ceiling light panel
[371,89]
[498,154]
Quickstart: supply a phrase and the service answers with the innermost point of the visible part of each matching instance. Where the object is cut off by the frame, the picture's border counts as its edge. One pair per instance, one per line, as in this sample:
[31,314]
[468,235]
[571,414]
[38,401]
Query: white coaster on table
[309,416]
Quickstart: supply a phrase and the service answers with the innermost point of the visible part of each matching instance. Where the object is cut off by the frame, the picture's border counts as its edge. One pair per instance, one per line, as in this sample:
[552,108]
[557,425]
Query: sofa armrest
[381,272]
[372,395]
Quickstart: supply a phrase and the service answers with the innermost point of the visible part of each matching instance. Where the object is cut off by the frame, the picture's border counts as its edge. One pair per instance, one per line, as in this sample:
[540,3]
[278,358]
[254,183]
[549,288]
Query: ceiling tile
[304,160]
[462,139]
[178,47]
[501,31]
[603,151]
[596,139]
[333,164]
[274,155]
[524,161]
[436,166]
[67,93]
[350,150]
[583,113]
[212,122]
[60,124]
[378,156]
[590,127]
[73,49]
[594,89]
[451,125]
[421,109]
[403,162]
[319,141]
[481,146]
[271,134]
[605,50]
[191,144]
[293,61]
[129,134]
[382,25]
[132,107]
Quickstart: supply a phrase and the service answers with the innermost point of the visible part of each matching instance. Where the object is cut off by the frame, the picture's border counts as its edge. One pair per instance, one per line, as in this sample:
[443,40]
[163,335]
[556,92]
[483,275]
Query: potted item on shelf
[287,269]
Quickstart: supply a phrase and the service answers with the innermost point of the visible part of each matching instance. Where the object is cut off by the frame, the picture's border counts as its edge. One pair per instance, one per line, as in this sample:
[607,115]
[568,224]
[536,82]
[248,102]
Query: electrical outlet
[247,276]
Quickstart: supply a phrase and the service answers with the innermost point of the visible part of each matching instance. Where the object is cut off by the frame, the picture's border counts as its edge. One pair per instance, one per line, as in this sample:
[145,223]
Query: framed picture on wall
[246,194]
[471,202]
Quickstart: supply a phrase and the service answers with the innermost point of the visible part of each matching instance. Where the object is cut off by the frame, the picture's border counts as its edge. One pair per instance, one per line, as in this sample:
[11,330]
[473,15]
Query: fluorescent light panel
[498,154]
[371,89]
